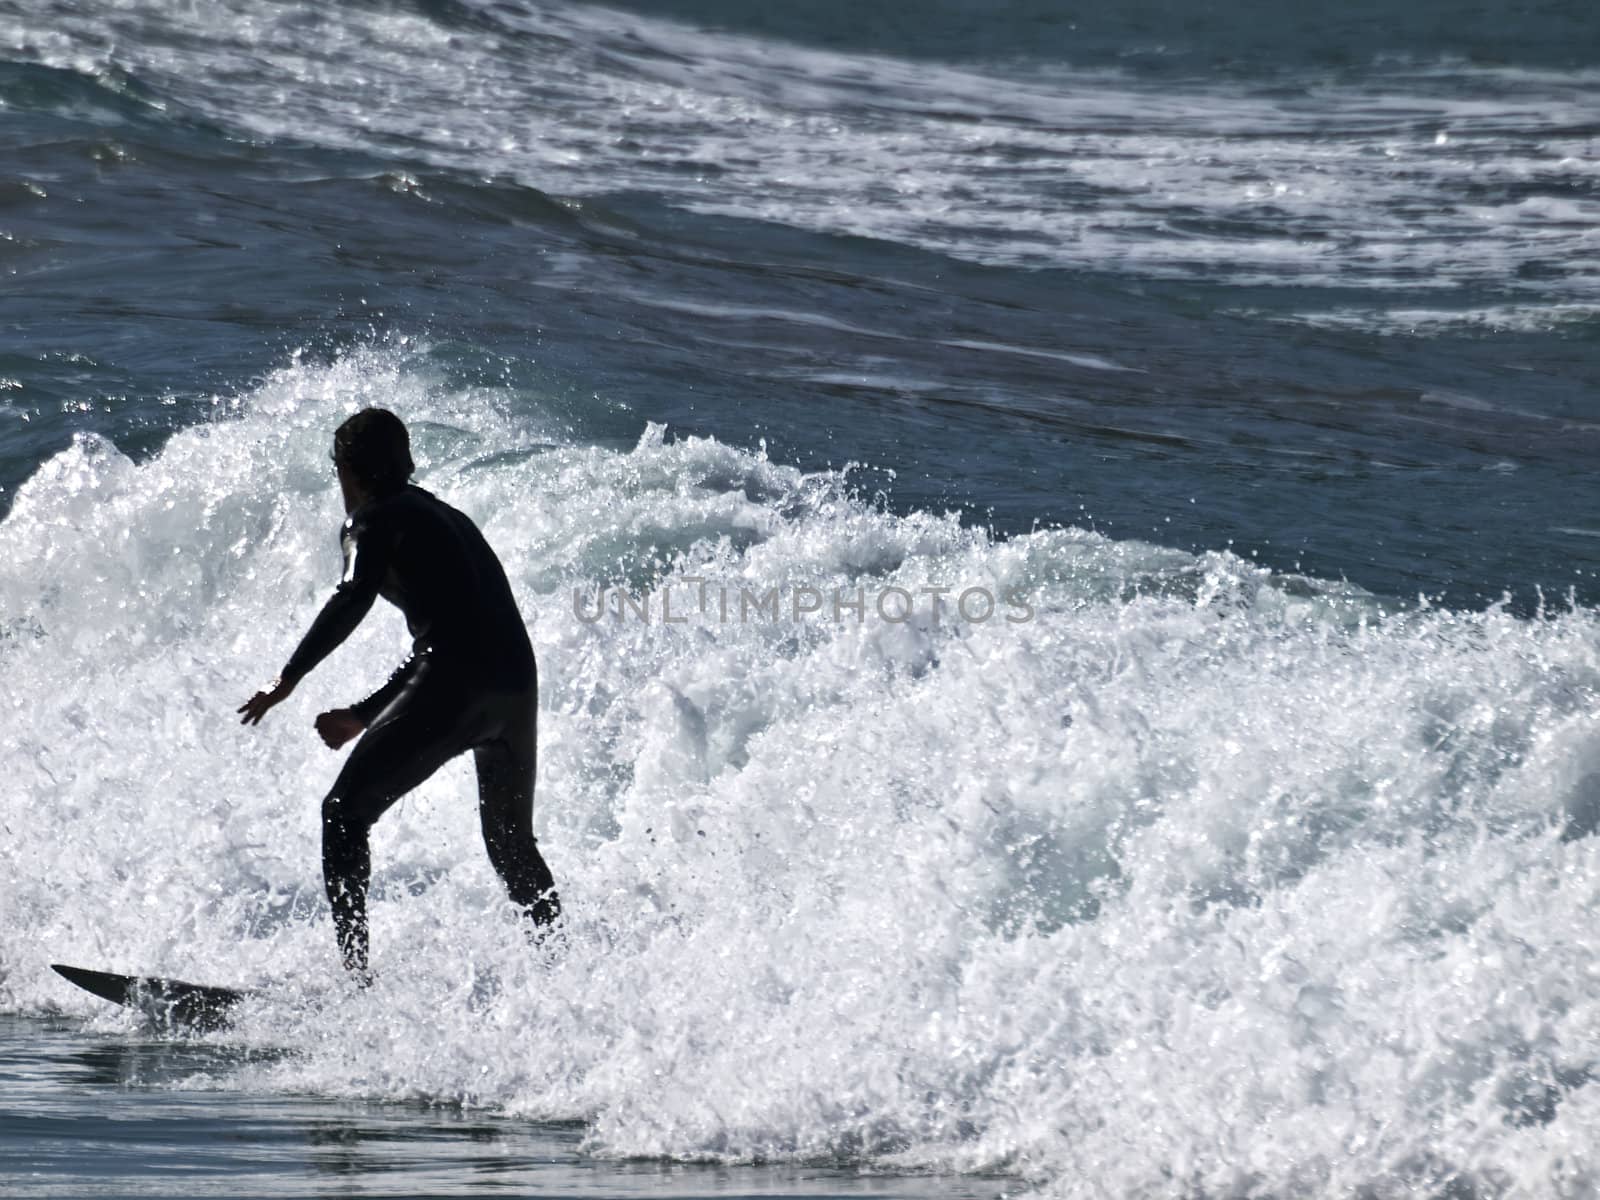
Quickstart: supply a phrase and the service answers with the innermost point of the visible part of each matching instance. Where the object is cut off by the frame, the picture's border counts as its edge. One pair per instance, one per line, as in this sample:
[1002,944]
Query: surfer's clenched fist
[338,726]
[258,705]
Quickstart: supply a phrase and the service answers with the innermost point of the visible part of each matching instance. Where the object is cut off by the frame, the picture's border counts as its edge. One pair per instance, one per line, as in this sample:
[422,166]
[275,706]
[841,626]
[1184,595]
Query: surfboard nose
[167,1003]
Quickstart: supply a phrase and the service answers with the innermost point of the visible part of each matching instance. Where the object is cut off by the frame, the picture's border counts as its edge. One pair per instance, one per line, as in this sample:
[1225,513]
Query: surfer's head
[373,449]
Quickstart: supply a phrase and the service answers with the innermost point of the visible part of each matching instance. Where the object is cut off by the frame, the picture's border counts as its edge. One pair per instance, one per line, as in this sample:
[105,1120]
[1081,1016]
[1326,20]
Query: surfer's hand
[257,706]
[338,726]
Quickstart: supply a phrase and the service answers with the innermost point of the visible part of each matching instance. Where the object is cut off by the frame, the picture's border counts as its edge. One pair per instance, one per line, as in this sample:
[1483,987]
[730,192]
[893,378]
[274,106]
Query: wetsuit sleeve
[374,704]
[365,560]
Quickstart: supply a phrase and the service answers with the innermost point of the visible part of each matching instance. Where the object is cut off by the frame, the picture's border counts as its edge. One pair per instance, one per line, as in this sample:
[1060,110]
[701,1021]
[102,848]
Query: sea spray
[1203,881]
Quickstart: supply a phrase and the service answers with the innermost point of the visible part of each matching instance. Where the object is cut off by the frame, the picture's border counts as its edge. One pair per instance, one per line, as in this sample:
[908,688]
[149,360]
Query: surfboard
[169,1003]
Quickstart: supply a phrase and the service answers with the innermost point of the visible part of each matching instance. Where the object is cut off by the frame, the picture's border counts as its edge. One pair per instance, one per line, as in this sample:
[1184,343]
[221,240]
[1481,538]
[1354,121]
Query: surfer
[469,684]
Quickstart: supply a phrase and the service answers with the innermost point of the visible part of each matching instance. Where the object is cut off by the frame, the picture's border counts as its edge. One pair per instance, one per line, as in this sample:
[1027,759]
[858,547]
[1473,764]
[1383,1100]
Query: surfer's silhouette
[470,683]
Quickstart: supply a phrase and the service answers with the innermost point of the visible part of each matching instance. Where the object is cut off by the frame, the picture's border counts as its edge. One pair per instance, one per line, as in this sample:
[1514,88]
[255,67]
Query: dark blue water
[161,252]
[1255,39]
[1221,877]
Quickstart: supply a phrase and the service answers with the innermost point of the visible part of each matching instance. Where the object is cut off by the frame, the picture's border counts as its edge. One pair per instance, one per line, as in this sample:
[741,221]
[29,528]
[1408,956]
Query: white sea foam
[1495,318]
[1378,185]
[1199,881]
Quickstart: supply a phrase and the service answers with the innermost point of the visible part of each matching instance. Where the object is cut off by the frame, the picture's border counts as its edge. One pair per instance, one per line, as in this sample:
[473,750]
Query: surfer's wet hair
[375,446]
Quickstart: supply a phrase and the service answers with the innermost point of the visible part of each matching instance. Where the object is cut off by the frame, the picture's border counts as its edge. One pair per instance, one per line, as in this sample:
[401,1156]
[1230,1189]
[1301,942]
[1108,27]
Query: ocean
[1060,542]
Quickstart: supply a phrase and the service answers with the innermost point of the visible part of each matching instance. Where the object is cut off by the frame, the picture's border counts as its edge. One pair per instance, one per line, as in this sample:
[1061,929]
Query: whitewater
[1243,356]
[1204,880]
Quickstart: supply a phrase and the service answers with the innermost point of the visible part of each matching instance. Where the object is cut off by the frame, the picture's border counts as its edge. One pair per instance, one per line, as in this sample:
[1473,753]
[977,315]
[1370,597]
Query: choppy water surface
[1241,850]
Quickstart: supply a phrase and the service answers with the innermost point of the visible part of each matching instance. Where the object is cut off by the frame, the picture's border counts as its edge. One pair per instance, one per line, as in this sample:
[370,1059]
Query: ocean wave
[1198,877]
[1402,179]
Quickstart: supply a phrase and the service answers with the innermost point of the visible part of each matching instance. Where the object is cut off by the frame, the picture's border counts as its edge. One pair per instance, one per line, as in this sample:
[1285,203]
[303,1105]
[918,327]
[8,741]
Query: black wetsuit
[470,684]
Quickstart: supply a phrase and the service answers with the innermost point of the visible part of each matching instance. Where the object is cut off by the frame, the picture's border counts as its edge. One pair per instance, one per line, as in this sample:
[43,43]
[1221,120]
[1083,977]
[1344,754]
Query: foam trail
[1199,881]
[1413,180]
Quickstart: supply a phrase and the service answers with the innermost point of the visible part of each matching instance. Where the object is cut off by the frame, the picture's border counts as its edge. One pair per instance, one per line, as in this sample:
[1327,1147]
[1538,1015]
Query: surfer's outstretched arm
[273,694]
[365,560]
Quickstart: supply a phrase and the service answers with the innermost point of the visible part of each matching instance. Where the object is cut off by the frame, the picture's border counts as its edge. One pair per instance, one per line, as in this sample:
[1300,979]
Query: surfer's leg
[417,735]
[506,768]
